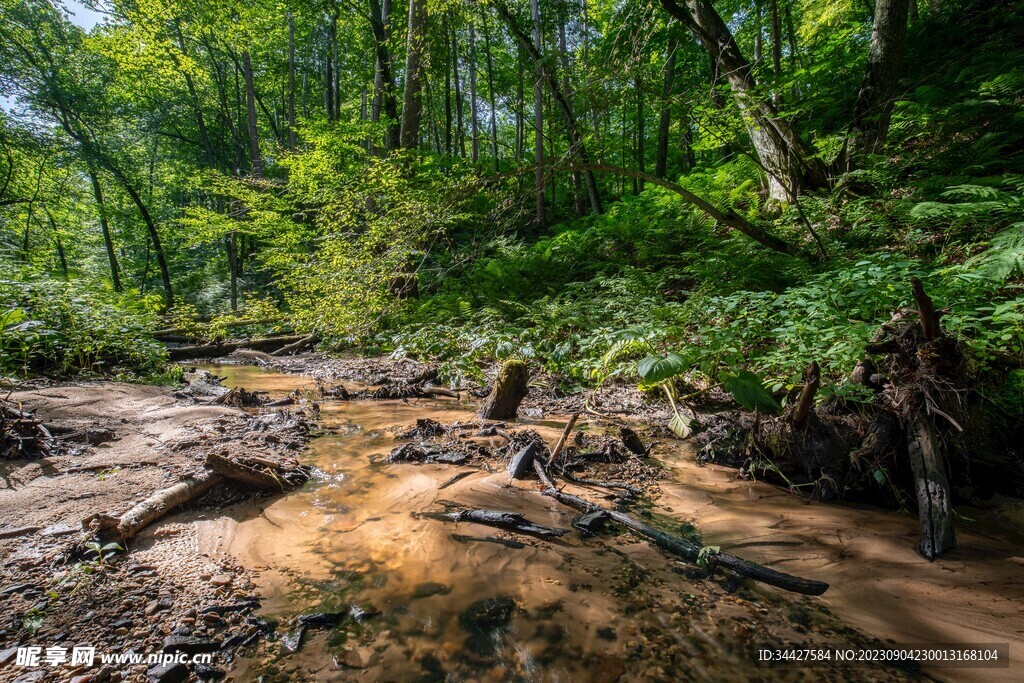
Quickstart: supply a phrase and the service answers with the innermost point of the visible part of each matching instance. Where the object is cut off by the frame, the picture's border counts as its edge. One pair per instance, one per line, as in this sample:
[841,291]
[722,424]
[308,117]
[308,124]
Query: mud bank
[56,592]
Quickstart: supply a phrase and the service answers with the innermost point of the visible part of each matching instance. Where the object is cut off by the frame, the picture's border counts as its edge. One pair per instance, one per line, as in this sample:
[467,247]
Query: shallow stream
[471,603]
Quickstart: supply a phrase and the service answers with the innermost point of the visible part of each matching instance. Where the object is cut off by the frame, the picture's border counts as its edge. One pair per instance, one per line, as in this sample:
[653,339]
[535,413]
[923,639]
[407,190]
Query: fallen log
[218,349]
[511,521]
[509,391]
[250,476]
[684,548]
[169,333]
[109,529]
[308,340]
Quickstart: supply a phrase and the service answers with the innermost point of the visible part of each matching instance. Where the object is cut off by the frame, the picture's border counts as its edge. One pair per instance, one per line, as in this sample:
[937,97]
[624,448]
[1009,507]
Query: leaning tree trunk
[789,162]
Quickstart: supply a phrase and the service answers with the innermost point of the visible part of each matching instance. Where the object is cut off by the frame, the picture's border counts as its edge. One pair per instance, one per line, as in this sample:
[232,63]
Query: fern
[1004,256]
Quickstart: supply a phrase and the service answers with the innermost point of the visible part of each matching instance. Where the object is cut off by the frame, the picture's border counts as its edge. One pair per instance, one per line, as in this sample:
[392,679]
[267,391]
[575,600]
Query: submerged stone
[487,615]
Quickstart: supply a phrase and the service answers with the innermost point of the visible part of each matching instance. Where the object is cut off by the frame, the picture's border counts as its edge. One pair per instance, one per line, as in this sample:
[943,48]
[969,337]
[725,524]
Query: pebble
[221,580]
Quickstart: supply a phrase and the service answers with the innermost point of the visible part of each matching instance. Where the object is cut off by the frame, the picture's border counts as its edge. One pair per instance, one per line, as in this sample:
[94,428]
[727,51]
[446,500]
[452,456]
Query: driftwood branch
[250,476]
[511,521]
[560,445]
[683,548]
[120,529]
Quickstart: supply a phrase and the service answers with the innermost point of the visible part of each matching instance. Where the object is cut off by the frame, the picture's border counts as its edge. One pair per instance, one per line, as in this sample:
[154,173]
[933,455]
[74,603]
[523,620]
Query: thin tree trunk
[492,100]
[661,166]
[154,235]
[460,132]
[689,157]
[538,115]
[378,24]
[447,93]
[474,121]
[250,105]
[292,135]
[548,74]
[520,106]
[877,94]
[563,52]
[101,207]
[232,248]
[412,100]
[638,132]
[204,135]
[758,31]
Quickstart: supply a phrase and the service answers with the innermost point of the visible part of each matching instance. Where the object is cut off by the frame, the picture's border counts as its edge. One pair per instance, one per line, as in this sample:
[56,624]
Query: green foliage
[63,328]
[748,390]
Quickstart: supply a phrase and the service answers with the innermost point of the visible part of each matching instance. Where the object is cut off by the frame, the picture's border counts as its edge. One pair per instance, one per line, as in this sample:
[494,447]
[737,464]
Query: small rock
[221,580]
[428,588]
[189,645]
[168,673]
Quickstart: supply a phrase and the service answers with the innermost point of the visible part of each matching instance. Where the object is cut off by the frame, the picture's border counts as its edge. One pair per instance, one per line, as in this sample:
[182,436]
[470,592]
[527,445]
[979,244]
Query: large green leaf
[654,369]
[748,390]
[680,425]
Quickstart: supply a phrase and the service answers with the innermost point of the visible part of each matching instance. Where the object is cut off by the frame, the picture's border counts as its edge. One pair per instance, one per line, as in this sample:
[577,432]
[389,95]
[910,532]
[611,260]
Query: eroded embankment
[55,592]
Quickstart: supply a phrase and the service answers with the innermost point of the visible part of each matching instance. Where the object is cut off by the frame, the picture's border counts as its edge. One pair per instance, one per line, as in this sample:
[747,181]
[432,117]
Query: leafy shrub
[60,327]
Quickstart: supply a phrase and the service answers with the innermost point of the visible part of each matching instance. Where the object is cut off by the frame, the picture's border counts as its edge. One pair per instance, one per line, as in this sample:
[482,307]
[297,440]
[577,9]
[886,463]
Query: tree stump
[509,390]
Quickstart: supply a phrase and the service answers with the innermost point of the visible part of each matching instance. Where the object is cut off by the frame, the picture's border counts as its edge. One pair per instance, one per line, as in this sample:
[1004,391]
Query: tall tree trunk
[875,100]
[758,31]
[412,100]
[492,99]
[538,115]
[154,234]
[794,54]
[378,25]
[447,93]
[520,105]
[667,88]
[233,265]
[292,135]
[332,38]
[686,142]
[108,243]
[549,75]
[204,135]
[250,105]
[474,119]
[638,133]
[563,52]
[460,131]
[789,162]
[773,14]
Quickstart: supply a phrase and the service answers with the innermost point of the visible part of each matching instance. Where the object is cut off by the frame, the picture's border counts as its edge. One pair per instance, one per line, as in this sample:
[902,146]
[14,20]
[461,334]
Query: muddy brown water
[599,609]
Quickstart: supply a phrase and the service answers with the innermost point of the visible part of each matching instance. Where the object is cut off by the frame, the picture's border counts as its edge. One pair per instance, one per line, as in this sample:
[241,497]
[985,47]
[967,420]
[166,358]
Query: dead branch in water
[511,521]
[683,548]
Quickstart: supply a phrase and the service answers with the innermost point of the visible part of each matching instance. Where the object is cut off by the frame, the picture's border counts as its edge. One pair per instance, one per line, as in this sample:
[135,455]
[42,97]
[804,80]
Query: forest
[785,236]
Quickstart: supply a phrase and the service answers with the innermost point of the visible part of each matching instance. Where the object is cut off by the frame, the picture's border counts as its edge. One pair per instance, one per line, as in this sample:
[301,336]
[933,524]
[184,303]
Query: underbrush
[62,328]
